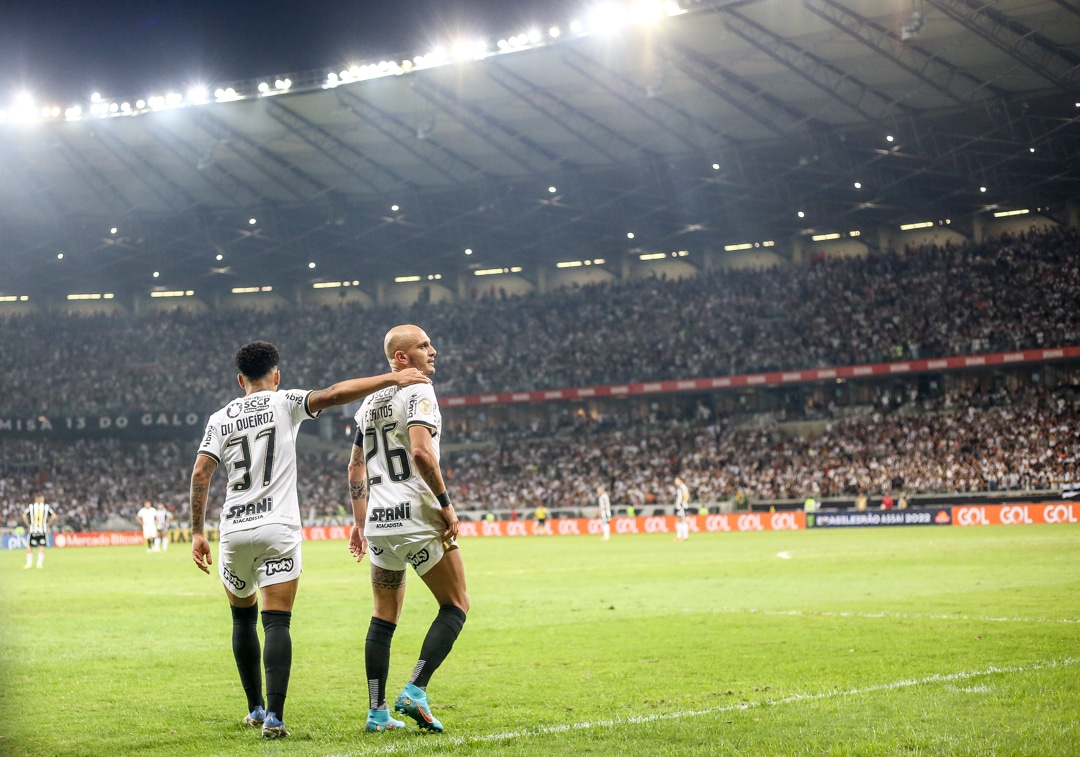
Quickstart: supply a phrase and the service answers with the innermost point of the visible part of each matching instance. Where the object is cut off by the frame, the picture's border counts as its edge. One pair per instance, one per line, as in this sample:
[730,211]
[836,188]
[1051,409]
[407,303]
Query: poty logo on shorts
[418,558]
[282,565]
[232,579]
[374,550]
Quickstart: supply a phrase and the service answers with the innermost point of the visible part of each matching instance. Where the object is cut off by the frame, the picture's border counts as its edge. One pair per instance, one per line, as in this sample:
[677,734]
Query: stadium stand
[925,302]
[915,303]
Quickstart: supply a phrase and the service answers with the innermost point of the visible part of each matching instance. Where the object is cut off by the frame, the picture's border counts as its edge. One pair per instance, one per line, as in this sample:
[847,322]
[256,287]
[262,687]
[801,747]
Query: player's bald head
[401,338]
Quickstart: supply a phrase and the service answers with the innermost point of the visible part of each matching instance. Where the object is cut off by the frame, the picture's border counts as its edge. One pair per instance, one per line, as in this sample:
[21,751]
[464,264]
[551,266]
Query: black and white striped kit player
[38,517]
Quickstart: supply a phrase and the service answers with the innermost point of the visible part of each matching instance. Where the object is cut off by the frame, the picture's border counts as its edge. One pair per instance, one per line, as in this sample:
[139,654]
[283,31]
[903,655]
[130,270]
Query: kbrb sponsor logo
[232,579]
[281,565]
[1059,514]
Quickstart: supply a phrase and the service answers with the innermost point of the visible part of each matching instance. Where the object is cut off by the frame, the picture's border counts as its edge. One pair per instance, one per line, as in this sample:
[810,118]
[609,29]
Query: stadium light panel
[913,226]
[824,237]
[629,235]
[311,264]
[653,256]
[326,285]
[1007,213]
[854,233]
[737,247]
[173,293]
[554,32]
[406,279]
[570,264]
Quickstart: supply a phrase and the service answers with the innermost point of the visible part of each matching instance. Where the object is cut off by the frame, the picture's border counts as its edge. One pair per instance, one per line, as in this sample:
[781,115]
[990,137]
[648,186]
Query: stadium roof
[710,127]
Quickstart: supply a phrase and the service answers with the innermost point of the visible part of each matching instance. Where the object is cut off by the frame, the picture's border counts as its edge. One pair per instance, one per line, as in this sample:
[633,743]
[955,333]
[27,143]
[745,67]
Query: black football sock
[277,659]
[438,643]
[377,660]
[245,648]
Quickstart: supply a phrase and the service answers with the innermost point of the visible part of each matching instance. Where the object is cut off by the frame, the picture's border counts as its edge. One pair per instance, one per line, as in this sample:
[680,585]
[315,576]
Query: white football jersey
[399,501]
[254,438]
[682,499]
[604,504]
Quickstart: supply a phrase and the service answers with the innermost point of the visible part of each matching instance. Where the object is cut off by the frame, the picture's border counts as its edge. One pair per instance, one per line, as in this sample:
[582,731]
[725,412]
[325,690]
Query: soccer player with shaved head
[259,556]
[403,516]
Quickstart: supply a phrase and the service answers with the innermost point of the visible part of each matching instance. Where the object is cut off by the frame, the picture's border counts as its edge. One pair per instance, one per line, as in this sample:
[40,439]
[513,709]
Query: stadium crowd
[918,303]
[1004,440]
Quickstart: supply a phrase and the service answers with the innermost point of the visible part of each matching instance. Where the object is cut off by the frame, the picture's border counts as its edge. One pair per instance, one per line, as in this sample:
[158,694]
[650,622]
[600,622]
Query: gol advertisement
[962,515]
[1016,515]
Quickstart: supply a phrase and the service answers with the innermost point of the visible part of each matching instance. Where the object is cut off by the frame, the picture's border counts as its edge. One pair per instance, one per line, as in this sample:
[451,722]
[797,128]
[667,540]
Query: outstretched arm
[200,489]
[358,493]
[344,392]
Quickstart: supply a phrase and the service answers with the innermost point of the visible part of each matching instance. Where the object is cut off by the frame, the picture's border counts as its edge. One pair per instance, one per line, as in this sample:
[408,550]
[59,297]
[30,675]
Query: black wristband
[444,499]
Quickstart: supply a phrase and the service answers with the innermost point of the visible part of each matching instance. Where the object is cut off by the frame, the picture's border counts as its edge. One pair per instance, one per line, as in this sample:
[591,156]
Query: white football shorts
[422,551]
[261,556]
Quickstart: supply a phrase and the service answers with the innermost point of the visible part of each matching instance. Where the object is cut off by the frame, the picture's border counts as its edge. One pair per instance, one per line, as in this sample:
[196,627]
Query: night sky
[64,50]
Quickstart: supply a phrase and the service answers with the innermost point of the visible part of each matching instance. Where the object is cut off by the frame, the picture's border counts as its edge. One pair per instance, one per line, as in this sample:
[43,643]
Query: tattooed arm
[200,488]
[358,493]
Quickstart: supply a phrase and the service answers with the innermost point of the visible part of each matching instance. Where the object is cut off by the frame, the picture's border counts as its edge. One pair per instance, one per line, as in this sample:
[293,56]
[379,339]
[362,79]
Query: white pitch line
[411,745]
[899,615]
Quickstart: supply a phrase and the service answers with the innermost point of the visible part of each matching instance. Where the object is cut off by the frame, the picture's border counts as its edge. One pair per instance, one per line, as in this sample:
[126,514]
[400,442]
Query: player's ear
[240,381]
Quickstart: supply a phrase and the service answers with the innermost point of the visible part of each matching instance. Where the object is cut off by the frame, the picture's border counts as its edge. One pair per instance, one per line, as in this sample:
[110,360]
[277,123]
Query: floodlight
[554,32]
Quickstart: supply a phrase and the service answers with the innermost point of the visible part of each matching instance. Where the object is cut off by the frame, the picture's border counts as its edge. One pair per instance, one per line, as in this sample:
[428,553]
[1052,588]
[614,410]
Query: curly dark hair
[257,359]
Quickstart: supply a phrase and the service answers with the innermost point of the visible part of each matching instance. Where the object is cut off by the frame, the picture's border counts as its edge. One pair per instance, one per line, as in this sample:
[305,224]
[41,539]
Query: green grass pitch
[918,641]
